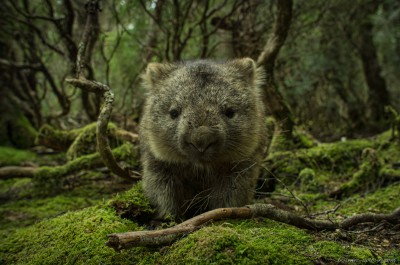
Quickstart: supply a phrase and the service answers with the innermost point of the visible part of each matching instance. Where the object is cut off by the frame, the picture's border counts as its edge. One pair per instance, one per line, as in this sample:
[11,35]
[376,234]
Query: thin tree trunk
[378,95]
[273,99]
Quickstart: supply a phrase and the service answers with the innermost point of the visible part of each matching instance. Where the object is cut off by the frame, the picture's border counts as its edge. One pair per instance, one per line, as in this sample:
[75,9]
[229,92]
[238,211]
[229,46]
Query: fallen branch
[167,236]
[10,172]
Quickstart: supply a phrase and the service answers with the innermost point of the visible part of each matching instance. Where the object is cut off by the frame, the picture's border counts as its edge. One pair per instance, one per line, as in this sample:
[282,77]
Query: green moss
[392,256]
[252,242]
[366,176]
[10,156]
[51,179]
[58,234]
[24,135]
[302,139]
[387,172]
[331,163]
[309,181]
[85,141]
[245,242]
[73,238]
[16,130]
[24,204]
[336,253]
[58,139]
[133,204]
[383,200]
[128,153]
[28,211]
[16,188]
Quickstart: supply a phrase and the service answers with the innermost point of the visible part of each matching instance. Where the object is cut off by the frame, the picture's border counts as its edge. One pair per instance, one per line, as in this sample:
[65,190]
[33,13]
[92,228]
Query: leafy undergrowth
[71,227]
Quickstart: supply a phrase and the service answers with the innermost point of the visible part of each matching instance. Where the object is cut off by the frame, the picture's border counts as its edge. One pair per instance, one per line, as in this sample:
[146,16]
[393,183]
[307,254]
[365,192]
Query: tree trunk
[273,99]
[378,95]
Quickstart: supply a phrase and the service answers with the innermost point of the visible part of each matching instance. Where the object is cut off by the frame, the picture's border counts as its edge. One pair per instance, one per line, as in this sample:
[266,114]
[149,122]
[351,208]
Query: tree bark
[90,101]
[378,95]
[273,99]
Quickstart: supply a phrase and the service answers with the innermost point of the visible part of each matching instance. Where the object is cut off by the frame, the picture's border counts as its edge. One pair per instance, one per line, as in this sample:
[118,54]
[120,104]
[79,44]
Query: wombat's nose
[203,138]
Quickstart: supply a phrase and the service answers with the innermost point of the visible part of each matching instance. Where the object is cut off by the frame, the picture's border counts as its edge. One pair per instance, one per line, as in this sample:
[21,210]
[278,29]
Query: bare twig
[92,8]
[102,124]
[19,66]
[327,211]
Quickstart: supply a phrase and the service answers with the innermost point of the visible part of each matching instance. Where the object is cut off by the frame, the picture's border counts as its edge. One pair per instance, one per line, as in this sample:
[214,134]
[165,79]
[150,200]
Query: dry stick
[92,8]
[103,146]
[167,236]
[102,123]
[102,139]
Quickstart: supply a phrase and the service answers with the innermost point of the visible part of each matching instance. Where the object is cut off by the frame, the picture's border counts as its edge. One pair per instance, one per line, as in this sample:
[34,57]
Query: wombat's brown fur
[202,135]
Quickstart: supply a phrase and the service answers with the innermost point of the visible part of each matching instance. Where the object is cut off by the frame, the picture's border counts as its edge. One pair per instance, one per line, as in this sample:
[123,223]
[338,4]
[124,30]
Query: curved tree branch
[273,99]
[102,123]
[103,146]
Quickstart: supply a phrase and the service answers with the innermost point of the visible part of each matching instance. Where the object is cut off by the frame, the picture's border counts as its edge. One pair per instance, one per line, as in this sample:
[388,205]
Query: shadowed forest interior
[332,98]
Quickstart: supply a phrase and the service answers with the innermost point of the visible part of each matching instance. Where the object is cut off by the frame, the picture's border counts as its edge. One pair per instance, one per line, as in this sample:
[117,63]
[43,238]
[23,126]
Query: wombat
[202,135]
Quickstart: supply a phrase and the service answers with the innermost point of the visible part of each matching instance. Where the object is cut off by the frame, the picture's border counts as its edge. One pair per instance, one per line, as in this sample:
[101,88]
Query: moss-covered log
[50,175]
[61,140]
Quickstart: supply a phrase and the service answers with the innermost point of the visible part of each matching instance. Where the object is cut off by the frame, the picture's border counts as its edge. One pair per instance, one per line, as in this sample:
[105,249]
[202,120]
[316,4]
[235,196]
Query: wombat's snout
[202,140]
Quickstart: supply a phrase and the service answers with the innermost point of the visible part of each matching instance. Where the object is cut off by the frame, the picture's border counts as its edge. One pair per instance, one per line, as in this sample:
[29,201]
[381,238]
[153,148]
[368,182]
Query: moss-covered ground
[71,225]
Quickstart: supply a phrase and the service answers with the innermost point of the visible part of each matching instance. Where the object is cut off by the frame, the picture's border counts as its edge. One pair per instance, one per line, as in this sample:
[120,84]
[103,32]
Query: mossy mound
[73,238]
[78,237]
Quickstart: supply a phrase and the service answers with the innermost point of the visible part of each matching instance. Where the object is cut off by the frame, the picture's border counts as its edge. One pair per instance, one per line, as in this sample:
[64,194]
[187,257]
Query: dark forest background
[338,69]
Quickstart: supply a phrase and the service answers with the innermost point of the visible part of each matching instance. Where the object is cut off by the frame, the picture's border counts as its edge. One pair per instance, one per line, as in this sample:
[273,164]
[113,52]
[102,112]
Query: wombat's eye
[174,113]
[229,112]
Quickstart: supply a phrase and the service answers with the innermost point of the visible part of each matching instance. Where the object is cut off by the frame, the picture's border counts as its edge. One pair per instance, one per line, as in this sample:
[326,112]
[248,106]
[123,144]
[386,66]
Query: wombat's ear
[156,72]
[247,70]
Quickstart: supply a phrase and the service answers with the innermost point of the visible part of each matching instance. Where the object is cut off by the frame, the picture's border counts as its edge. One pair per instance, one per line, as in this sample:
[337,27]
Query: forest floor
[66,219]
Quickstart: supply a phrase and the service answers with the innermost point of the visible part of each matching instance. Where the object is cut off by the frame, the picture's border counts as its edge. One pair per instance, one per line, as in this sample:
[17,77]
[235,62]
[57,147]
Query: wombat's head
[203,111]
